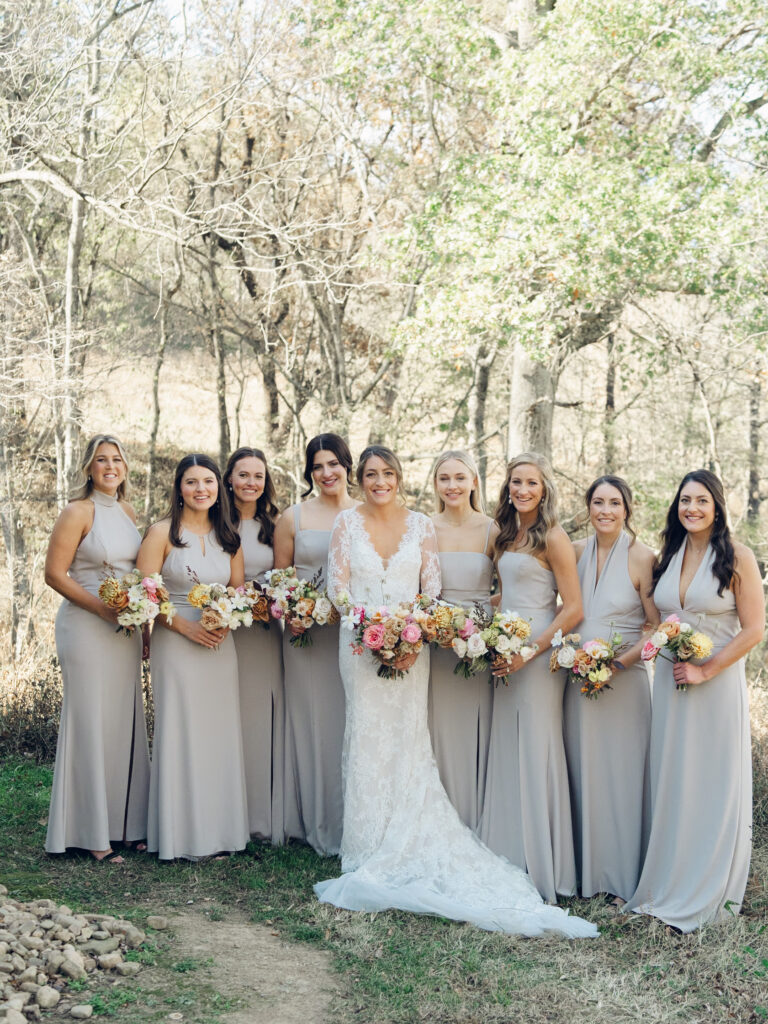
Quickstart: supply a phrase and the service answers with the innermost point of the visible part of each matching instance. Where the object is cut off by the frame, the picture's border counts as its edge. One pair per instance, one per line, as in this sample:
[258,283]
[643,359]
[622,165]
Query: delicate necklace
[461,522]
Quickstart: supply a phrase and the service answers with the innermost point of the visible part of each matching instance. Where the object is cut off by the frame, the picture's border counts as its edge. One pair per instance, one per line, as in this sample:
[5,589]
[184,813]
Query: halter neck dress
[101,778]
[527,809]
[197,801]
[606,740]
[459,708]
[314,708]
[262,704]
[697,864]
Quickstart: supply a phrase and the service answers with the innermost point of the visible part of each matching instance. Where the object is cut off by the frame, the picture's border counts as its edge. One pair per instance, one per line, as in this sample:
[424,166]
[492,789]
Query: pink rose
[649,652]
[672,618]
[149,585]
[411,633]
[373,637]
[467,629]
[275,610]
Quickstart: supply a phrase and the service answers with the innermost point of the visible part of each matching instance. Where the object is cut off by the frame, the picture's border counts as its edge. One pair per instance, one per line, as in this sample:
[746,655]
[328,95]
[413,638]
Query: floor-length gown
[314,716]
[262,704]
[459,708]
[606,740]
[527,809]
[404,845]
[101,778]
[697,863]
[197,801]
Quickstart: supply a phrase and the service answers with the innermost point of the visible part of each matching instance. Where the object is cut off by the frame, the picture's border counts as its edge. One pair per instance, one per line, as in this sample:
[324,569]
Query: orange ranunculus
[672,629]
[260,609]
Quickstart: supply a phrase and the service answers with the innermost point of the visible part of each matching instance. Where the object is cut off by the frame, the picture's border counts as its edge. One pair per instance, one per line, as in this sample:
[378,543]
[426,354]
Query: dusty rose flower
[373,636]
[411,633]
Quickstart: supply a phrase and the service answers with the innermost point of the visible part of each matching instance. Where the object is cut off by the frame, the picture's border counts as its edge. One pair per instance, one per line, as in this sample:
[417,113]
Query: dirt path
[274,982]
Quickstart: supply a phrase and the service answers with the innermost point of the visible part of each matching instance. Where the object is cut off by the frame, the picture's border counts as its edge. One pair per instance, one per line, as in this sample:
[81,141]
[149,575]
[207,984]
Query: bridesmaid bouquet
[137,599]
[222,607]
[590,665]
[256,596]
[299,602]
[390,634]
[484,641]
[681,640]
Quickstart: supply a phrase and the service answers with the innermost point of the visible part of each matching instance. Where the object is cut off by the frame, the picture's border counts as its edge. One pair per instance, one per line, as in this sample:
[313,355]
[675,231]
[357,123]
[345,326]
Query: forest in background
[449,223]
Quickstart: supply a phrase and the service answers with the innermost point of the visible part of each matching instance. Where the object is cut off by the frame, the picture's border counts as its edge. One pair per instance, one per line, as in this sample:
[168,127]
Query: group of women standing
[645,800]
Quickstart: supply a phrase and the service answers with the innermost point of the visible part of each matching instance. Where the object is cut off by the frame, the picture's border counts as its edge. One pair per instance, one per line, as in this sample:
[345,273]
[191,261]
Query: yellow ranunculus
[198,595]
[701,645]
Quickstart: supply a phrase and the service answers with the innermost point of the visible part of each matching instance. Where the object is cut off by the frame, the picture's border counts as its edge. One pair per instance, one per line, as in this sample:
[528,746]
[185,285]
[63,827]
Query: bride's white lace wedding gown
[403,843]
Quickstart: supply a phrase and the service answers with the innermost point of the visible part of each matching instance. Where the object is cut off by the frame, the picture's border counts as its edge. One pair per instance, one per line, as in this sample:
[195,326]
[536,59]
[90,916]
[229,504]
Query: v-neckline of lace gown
[404,845]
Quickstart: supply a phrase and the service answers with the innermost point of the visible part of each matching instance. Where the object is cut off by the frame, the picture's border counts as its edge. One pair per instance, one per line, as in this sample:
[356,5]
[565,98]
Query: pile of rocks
[44,946]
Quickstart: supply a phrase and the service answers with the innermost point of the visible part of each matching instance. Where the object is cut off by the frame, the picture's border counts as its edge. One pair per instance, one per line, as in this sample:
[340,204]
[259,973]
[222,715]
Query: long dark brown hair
[326,443]
[266,509]
[624,490]
[219,513]
[674,533]
[506,515]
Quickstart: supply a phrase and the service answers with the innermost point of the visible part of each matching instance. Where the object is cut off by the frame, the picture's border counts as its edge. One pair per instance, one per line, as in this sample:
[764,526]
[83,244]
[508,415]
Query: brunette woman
[697,863]
[606,740]
[314,694]
[101,778]
[197,802]
[259,649]
[527,810]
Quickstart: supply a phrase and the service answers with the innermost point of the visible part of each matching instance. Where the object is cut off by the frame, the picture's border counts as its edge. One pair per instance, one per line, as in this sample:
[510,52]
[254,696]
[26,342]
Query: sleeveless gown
[404,845]
[459,708]
[197,802]
[101,777]
[697,864]
[606,740]
[262,705]
[314,710]
[527,809]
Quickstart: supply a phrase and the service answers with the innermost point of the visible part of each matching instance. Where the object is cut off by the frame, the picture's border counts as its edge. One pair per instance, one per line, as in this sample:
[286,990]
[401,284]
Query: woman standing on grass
[259,650]
[197,802]
[101,777]
[606,740]
[527,809]
[314,694]
[460,709]
[696,867]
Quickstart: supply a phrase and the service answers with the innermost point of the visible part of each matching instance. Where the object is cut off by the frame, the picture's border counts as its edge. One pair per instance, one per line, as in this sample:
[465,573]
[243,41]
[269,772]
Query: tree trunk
[531,405]
[609,426]
[476,406]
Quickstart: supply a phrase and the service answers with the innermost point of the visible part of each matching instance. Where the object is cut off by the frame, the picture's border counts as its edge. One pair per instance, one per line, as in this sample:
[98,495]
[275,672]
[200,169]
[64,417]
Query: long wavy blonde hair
[85,484]
[475,497]
[506,514]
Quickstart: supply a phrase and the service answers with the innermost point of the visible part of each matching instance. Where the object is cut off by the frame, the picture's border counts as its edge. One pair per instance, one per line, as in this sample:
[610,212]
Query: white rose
[557,639]
[685,627]
[322,610]
[476,646]
[526,653]
[659,639]
[566,657]
[459,646]
[504,644]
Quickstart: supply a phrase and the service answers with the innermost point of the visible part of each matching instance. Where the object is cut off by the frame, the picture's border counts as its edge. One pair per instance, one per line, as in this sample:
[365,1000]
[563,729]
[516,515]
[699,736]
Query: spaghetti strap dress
[101,777]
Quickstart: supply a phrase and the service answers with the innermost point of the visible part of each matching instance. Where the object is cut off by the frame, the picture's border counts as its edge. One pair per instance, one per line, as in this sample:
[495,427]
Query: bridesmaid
[314,694]
[101,778]
[606,740]
[460,709]
[527,810]
[696,867]
[259,650]
[197,802]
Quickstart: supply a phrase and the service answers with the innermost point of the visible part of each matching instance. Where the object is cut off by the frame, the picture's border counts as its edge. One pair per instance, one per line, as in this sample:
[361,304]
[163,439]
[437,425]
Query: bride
[403,844]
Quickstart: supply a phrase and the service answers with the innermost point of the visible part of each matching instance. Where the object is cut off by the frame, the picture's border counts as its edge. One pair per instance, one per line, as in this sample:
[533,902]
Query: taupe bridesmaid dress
[262,704]
[459,708]
[101,778]
[606,740]
[197,802]
[696,867]
[314,723]
[527,810]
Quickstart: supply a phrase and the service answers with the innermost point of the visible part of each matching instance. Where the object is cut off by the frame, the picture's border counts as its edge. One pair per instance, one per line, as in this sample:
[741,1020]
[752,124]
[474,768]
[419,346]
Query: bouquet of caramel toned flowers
[299,602]
[221,607]
[590,665]
[681,640]
[493,641]
[258,599]
[137,599]
[391,634]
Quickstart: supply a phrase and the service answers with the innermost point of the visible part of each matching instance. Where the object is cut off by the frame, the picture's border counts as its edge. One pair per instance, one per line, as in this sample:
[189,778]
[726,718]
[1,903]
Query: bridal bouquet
[589,664]
[390,634]
[137,599]
[299,602]
[681,640]
[222,607]
[482,641]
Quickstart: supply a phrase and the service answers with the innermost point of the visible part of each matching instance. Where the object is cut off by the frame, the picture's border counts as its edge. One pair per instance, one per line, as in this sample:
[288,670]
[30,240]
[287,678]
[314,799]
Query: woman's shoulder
[159,530]
[128,509]
[640,554]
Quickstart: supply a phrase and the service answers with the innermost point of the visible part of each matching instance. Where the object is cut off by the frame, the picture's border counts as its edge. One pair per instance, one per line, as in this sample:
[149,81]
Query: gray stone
[157,922]
[29,986]
[134,938]
[47,997]
[128,969]
[82,1012]
[108,961]
[72,970]
[30,942]
[32,1011]
[3,891]
[100,946]
[28,975]
[18,1000]
[14,1017]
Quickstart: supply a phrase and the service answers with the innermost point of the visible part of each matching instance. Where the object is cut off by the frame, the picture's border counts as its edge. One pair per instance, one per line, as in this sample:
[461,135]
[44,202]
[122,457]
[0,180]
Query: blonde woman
[460,709]
[101,778]
[527,811]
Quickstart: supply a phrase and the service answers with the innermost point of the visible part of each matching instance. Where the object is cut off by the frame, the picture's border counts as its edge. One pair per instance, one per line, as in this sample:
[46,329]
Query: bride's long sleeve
[431,578]
[338,564]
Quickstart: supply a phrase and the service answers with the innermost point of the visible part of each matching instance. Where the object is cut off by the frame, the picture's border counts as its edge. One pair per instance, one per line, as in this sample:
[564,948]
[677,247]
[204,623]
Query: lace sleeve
[338,564]
[431,579]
